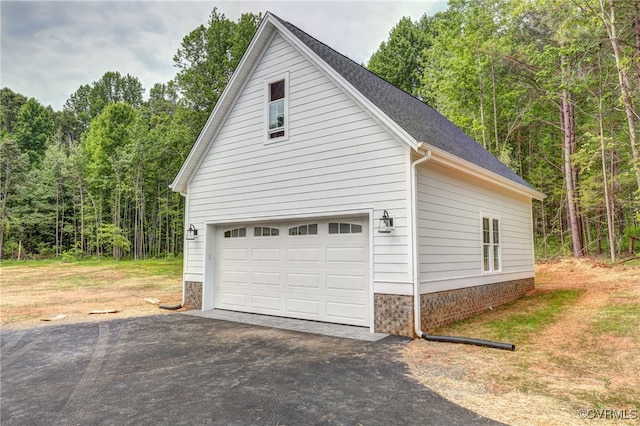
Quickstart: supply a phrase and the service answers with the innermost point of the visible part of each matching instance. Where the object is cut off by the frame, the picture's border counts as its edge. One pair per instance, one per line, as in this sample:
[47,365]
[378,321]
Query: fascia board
[451,161]
[223,107]
[355,94]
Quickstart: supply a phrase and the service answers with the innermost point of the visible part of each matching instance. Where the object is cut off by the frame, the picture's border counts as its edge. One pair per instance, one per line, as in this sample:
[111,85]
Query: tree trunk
[605,180]
[636,24]
[494,98]
[567,124]
[625,84]
[482,124]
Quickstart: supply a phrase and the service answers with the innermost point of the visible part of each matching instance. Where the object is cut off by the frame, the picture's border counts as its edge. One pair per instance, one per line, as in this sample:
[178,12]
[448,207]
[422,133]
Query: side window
[277,107]
[265,231]
[235,233]
[491,253]
[310,229]
[344,228]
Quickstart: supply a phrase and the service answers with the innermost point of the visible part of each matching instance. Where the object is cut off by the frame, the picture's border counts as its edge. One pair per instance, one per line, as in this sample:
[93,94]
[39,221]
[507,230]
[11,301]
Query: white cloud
[51,48]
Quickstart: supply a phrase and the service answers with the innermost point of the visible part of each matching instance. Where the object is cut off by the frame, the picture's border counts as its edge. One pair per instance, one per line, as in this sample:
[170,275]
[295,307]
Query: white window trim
[273,79]
[491,218]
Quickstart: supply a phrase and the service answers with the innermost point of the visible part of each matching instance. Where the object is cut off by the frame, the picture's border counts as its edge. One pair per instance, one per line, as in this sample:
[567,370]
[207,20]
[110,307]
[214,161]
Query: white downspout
[414,236]
[185,252]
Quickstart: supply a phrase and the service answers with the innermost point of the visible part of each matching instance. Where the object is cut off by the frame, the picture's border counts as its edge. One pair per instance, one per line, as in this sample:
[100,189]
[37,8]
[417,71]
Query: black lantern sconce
[192,233]
[386,223]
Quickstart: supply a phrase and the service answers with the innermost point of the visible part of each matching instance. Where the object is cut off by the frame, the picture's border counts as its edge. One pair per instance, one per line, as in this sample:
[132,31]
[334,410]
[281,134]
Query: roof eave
[449,160]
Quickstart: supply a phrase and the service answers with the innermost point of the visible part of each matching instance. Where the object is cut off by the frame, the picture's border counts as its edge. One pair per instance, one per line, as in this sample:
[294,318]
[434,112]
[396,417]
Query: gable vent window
[236,233]
[344,228]
[263,231]
[276,109]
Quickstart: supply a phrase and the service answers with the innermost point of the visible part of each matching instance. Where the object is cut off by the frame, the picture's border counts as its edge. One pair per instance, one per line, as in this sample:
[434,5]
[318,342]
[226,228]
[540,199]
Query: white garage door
[317,270]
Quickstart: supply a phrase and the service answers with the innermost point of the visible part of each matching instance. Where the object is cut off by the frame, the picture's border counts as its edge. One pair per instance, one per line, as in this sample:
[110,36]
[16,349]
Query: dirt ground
[41,295]
[568,374]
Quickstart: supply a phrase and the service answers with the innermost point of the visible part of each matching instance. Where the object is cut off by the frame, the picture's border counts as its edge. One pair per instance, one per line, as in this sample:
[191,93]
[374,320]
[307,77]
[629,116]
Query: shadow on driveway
[182,370]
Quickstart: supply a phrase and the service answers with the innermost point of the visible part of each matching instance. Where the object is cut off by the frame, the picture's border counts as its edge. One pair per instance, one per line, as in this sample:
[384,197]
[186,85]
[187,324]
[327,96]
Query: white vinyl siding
[450,211]
[335,158]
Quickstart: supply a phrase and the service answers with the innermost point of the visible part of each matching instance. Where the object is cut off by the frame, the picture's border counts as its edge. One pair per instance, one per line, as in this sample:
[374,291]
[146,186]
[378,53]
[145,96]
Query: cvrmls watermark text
[608,414]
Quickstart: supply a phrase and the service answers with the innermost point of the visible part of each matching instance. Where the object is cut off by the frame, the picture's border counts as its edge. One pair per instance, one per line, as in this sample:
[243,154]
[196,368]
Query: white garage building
[289,181]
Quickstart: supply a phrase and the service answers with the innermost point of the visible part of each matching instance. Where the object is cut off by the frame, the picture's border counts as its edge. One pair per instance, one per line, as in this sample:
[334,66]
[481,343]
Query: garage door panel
[303,255]
[266,302]
[322,276]
[341,254]
[303,280]
[346,282]
[264,254]
[266,278]
[239,277]
[233,299]
[234,254]
[345,310]
[302,306]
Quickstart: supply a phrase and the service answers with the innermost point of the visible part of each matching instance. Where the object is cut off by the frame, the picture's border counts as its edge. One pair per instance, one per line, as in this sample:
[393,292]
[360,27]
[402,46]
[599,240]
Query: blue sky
[50,48]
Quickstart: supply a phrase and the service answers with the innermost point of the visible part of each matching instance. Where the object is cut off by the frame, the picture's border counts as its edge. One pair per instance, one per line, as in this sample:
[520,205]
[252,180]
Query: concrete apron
[303,326]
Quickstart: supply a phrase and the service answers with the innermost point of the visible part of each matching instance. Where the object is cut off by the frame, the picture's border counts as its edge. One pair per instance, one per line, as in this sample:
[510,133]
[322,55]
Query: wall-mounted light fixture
[386,223]
[192,233]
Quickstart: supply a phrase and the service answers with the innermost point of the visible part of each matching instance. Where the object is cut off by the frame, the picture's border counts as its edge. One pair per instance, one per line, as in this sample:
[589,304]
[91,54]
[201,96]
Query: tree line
[93,179]
[552,88]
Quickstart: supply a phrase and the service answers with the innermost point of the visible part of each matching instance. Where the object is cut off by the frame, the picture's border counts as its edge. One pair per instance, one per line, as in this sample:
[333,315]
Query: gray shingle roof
[422,122]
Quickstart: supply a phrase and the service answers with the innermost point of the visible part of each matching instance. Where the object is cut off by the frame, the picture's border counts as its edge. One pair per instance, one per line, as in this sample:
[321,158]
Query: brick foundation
[444,307]
[394,313]
[193,295]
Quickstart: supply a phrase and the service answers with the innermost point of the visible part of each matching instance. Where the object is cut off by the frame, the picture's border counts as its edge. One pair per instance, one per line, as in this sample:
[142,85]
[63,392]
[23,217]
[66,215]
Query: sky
[48,49]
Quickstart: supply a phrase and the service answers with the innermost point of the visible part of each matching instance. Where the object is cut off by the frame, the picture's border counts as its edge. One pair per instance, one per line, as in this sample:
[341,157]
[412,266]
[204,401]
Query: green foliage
[110,237]
[93,179]
[207,58]
[32,129]
[105,144]
[10,104]
[500,70]
[399,60]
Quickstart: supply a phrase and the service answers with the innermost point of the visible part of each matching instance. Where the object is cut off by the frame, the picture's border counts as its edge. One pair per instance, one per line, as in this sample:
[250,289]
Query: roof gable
[410,119]
[421,121]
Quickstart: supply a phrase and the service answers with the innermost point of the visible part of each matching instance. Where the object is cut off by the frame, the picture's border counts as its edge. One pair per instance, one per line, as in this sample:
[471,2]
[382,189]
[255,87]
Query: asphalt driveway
[184,370]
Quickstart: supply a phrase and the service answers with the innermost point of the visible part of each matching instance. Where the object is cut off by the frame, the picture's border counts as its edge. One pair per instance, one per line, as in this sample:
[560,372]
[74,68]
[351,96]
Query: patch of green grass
[544,311]
[157,267]
[516,321]
[622,320]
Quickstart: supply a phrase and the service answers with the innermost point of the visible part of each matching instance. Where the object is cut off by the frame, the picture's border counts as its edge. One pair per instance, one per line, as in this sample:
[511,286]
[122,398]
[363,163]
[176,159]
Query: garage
[312,269]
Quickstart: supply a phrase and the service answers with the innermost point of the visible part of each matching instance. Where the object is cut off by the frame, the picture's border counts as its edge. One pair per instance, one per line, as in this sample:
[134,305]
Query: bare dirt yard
[577,358]
[40,293]
[577,336]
